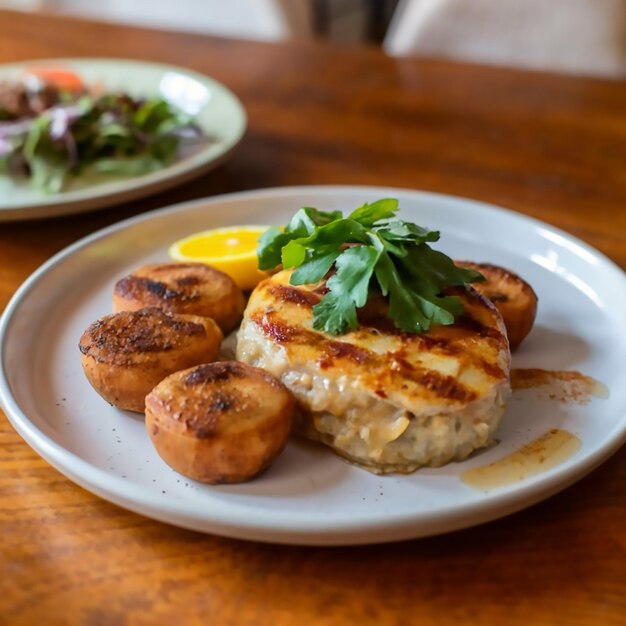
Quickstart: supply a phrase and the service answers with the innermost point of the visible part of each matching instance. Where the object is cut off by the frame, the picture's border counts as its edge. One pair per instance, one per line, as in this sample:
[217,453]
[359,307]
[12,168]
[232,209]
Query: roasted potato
[512,296]
[126,354]
[187,288]
[220,422]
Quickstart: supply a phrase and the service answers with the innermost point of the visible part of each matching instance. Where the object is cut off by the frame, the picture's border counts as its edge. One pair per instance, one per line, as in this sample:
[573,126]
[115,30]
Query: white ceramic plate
[215,108]
[309,496]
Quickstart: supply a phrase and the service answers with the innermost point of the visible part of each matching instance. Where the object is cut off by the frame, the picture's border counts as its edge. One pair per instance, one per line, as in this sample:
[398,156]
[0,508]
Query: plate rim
[505,501]
[97,197]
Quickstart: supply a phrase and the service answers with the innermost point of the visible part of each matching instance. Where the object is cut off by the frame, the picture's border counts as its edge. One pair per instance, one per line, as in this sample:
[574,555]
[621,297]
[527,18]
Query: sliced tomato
[60,77]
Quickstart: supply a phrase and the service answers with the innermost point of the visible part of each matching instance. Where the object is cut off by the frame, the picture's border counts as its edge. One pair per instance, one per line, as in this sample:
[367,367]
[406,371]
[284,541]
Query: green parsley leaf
[348,289]
[293,254]
[370,214]
[315,268]
[302,225]
[372,253]
[404,307]
[271,242]
[399,231]
[307,219]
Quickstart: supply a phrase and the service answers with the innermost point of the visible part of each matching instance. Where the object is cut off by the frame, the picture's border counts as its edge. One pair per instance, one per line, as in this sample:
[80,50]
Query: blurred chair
[247,19]
[578,36]
[20,5]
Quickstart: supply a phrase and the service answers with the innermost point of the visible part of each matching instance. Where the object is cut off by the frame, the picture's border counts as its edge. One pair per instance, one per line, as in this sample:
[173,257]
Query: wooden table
[546,145]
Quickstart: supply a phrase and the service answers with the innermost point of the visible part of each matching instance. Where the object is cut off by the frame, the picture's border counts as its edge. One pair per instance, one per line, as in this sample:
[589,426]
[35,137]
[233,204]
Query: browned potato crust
[220,422]
[187,288]
[126,354]
[512,296]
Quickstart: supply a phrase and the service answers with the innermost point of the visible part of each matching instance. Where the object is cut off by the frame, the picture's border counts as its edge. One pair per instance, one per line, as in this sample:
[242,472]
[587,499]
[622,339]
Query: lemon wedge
[231,250]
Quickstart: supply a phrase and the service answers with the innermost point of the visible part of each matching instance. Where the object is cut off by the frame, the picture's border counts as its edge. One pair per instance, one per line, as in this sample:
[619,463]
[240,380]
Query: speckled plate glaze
[216,109]
[309,496]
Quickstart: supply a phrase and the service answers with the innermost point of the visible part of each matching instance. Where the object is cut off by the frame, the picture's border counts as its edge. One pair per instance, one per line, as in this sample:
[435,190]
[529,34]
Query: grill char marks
[154,292]
[514,298]
[494,273]
[337,350]
[184,288]
[220,422]
[192,273]
[213,373]
[202,415]
[474,327]
[126,354]
[158,289]
[441,340]
[281,332]
[215,389]
[429,364]
[203,426]
[331,354]
[441,385]
[293,295]
[372,317]
[388,400]
[187,281]
[139,332]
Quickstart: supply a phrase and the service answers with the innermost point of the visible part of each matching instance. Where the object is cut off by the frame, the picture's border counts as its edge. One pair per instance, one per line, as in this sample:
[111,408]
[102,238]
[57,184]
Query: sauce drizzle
[540,455]
[563,386]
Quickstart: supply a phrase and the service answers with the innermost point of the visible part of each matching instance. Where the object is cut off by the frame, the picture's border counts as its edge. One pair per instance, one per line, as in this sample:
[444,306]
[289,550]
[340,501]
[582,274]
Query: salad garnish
[112,133]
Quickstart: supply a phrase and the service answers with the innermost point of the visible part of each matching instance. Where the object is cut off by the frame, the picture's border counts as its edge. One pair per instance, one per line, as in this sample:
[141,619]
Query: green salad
[113,134]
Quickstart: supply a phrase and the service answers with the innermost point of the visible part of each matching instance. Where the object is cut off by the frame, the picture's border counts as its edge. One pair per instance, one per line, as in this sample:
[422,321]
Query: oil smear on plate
[553,447]
[562,386]
[540,455]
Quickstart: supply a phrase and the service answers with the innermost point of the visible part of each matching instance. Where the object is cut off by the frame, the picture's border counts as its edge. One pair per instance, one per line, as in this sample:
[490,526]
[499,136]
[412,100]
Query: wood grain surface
[550,146]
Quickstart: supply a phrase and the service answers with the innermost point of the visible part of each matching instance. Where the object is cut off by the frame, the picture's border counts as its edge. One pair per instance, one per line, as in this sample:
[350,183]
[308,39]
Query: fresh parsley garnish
[372,252]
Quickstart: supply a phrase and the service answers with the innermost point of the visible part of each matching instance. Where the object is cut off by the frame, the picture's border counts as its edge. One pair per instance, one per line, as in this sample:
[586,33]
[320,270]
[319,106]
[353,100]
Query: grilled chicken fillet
[387,400]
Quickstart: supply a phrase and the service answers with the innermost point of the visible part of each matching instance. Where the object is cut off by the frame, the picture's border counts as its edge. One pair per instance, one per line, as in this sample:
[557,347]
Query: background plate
[309,496]
[216,109]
